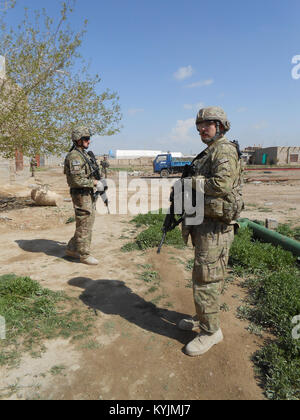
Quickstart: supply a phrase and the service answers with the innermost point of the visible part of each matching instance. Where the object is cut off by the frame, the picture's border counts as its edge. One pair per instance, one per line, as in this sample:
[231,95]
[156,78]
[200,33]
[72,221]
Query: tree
[43,97]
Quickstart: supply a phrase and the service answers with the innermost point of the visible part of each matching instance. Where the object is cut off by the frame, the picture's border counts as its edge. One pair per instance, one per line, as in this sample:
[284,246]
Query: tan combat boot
[89,260]
[190,324]
[203,342]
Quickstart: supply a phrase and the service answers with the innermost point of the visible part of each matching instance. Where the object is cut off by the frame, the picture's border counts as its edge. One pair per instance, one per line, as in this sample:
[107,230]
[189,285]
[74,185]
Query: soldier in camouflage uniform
[33,165]
[80,179]
[221,168]
[105,165]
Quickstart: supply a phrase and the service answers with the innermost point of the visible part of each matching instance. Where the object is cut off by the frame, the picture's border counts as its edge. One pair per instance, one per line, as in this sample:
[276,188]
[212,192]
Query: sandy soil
[140,350]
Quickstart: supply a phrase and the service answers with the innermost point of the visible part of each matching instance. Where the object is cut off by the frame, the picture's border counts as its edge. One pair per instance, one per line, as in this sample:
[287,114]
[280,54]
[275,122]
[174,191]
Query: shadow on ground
[113,297]
[47,246]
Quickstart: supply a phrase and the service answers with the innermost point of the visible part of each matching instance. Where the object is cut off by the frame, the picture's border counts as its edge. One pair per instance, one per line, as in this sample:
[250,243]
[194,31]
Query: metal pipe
[271,236]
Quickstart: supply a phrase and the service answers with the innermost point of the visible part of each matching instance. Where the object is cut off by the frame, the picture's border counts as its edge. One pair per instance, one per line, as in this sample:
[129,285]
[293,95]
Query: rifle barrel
[162,241]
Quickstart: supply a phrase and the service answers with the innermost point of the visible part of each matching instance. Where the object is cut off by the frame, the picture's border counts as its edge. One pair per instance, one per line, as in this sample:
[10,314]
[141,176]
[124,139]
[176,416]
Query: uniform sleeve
[224,168]
[77,173]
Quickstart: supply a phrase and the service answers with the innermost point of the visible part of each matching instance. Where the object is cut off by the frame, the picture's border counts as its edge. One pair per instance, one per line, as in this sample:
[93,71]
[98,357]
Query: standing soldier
[81,181]
[105,165]
[221,168]
[33,165]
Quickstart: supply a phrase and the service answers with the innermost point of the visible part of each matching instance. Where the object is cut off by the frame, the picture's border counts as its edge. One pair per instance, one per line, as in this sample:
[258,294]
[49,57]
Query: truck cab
[166,164]
[161,164]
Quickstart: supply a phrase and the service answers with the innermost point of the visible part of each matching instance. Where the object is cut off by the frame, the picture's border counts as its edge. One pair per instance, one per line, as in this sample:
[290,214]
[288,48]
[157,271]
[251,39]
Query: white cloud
[181,131]
[202,83]
[134,111]
[184,73]
[196,106]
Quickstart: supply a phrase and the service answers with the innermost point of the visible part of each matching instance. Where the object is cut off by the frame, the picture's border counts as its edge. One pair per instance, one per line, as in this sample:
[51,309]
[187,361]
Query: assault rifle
[170,222]
[95,171]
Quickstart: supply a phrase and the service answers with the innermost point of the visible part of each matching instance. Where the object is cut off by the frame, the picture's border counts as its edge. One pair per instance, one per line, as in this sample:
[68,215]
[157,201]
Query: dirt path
[139,348]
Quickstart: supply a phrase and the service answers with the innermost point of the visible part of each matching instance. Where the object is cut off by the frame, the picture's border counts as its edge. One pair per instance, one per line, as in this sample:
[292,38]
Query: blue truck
[166,164]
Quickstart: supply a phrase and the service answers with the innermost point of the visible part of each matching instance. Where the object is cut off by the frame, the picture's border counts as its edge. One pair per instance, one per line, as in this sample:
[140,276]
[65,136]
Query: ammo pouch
[226,209]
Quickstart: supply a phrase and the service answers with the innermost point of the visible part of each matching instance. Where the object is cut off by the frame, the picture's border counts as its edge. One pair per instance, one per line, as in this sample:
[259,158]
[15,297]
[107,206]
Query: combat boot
[190,324]
[89,260]
[203,342]
[72,254]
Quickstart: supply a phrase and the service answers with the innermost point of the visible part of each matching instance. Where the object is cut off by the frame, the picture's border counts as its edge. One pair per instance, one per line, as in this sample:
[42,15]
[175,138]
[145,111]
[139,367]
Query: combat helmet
[213,113]
[80,132]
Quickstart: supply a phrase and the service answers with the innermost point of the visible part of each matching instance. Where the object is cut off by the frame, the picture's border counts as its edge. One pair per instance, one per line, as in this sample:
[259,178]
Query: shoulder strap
[84,157]
[200,156]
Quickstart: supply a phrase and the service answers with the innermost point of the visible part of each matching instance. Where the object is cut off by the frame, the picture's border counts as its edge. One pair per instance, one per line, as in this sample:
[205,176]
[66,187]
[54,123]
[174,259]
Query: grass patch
[152,235]
[32,314]
[287,230]
[190,264]
[273,281]
[149,276]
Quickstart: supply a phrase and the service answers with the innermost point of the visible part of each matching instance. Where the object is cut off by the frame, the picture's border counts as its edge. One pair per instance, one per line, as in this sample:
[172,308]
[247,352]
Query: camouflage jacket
[77,170]
[222,169]
[104,164]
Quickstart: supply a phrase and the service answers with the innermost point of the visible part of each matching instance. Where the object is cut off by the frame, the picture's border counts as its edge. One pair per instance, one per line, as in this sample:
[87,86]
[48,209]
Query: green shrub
[31,314]
[286,230]
[255,256]
[151,237]
[273,280]
[149,219]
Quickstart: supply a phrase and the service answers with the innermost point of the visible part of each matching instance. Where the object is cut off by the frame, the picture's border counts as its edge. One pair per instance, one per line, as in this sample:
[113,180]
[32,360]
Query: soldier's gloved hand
[102,186]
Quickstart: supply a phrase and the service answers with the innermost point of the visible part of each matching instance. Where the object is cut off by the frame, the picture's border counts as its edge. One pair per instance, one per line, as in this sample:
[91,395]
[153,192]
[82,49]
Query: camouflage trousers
[212,241]
[84,207]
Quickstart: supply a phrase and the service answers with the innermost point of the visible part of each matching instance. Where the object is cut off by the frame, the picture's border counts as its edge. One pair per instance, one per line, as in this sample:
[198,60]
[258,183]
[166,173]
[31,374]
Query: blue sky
[168,58]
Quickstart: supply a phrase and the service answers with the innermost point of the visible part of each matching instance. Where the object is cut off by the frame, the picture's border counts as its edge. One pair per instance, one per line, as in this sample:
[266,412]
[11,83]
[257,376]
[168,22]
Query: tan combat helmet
[213,113]
[80,132]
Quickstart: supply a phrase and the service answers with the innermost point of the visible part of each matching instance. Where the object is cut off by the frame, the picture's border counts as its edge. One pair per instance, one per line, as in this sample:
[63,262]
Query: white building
[134,154]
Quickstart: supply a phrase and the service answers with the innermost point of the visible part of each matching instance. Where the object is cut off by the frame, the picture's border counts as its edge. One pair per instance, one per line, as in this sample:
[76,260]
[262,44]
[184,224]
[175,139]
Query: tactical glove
[102,186]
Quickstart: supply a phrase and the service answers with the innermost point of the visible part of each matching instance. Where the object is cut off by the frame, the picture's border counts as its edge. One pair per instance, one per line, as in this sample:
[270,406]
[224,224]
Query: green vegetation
[286,230]
[48,87]
[33,313]
[151,237]
[273,280]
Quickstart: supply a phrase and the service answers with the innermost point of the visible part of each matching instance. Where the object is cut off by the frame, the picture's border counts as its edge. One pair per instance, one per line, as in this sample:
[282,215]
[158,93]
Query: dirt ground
[139,355]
